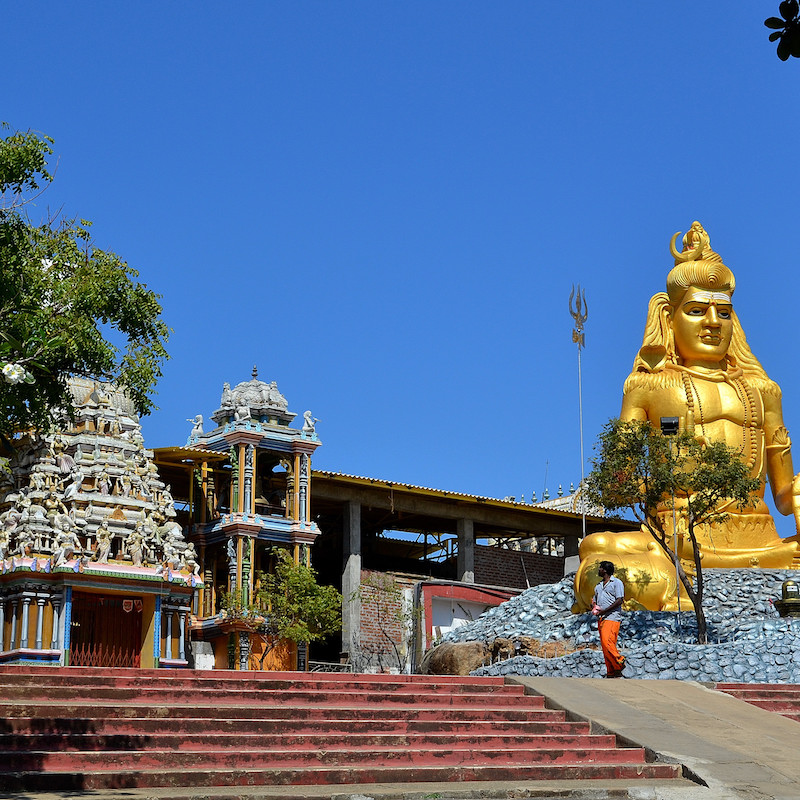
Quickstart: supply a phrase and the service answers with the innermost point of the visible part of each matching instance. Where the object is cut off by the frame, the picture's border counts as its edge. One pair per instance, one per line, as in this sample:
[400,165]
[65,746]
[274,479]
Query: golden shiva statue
[695,364]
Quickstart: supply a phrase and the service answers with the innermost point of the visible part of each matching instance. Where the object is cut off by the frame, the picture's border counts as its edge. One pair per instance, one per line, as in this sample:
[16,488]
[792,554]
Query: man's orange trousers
[609,630]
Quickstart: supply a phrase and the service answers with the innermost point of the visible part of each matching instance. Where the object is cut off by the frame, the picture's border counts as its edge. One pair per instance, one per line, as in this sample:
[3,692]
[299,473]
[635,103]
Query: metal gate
[106,631]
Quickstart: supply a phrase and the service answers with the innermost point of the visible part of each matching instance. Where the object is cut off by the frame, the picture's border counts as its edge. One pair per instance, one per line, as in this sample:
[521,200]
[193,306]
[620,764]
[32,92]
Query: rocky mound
[748,640]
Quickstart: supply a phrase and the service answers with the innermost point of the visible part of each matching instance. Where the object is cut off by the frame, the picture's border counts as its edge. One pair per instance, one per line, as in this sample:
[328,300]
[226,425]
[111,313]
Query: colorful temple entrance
[106,631]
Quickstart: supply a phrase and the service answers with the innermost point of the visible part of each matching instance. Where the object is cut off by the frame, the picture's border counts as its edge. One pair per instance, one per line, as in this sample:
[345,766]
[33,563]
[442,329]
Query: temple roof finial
[255,371]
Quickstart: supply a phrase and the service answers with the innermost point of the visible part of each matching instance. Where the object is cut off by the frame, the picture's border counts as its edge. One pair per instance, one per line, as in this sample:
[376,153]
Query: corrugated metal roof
[444,493]
[189,452]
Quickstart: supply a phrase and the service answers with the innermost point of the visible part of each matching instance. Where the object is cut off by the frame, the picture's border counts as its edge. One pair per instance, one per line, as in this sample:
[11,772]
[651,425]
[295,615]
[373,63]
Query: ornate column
[66,623]
[55,602]
[231,553]
[303,487]
[39,619]
[289,500]
[204,491]
[248,479]
[168,641]
[240,477]
[244,649]
[296,487]
[14,612]
[2,624]
[157,630]
[182,634]
[23,634]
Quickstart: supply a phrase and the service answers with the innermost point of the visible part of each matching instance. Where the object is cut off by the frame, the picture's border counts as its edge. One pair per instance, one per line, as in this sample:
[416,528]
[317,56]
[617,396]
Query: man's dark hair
[608,567]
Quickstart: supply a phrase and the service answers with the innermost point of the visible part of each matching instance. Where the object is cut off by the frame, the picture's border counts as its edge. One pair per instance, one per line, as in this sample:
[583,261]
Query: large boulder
[455,658]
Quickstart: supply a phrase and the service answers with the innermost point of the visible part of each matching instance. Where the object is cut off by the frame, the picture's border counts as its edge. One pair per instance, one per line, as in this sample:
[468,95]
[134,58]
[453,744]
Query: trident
[579,314]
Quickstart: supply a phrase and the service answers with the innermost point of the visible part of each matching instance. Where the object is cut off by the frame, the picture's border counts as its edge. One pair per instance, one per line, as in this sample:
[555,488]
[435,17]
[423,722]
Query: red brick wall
[497,567]
[384,620]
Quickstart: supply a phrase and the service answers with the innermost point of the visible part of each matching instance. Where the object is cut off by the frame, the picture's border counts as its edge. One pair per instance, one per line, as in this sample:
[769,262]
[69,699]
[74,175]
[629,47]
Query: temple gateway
[108,551]
[95,569]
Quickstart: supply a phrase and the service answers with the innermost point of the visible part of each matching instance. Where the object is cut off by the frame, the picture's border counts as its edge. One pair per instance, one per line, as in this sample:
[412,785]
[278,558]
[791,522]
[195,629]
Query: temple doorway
[106,630]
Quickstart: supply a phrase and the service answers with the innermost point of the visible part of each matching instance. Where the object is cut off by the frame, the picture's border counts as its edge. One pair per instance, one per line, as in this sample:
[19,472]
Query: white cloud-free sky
[385,205]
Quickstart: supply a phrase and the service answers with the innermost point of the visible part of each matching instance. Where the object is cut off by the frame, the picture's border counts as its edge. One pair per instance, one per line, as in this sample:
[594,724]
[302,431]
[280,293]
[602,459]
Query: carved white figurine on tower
[310,421]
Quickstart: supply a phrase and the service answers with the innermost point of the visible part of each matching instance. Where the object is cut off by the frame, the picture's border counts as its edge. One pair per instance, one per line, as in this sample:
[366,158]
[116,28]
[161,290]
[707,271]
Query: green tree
[289,605]
[62,301]
[639,469]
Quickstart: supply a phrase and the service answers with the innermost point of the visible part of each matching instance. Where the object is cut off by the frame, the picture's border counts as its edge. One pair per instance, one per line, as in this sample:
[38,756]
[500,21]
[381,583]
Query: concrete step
[236,677]
[90,710]
[305,776]
[298,697]
[144,726]
[64,679]
[332,755]
[779,698]
[172,742]
[92,729]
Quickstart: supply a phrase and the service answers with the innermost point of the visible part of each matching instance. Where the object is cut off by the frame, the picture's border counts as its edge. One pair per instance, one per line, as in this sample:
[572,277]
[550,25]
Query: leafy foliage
[59,296]
[294,605]
[289,605]
[639,469]
[786,29]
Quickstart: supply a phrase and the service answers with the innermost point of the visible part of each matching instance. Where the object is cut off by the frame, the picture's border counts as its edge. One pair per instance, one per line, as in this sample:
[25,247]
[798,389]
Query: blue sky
[385,205]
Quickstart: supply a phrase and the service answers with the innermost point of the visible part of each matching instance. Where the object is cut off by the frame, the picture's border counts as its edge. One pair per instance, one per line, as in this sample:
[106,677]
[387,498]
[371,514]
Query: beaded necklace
[745,394]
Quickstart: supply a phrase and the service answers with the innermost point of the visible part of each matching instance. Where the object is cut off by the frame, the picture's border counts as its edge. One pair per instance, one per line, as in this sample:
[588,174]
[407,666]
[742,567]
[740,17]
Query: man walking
[609,595]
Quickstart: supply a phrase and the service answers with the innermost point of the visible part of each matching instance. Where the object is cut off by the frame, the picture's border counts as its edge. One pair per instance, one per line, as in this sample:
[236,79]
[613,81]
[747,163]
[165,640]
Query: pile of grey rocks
[748,641]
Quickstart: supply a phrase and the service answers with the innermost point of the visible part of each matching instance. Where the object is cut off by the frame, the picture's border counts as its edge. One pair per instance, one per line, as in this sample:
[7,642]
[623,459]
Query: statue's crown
[696,246]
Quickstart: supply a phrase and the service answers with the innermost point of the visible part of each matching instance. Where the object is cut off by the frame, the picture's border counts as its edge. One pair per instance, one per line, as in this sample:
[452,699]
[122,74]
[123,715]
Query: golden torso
[719,406]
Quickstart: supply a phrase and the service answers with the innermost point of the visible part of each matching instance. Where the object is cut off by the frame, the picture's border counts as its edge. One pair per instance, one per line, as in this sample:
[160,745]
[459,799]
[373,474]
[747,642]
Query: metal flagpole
[580,314]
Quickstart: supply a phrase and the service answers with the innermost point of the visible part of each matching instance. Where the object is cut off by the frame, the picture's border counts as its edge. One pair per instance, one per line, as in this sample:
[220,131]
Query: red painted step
[151,728]
[780,698]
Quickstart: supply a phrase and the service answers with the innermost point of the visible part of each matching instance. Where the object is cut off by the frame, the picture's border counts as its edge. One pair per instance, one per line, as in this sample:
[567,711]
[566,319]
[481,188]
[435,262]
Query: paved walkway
[738,750]
[733,750]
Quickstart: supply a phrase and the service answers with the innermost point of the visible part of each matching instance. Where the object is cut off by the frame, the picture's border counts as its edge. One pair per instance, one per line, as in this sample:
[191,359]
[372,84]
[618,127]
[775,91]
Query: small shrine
[94,568]
[242,488]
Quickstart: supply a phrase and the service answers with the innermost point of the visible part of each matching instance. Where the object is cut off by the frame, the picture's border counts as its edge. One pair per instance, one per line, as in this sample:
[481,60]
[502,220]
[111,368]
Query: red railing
[98,655]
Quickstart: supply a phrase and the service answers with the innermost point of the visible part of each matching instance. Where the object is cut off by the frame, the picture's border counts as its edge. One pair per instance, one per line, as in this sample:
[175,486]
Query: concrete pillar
[351,575]
[465,562]
[571,545]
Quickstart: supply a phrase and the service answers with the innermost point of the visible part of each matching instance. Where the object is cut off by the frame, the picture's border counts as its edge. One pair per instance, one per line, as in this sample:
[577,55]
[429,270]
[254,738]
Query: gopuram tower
[94,569]
[242,489]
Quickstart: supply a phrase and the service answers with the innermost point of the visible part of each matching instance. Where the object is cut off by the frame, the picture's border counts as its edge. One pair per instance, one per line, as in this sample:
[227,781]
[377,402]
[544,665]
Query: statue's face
[703,325]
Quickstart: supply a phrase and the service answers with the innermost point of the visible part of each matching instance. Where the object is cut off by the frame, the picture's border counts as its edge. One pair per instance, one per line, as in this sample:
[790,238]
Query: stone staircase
[82,728]
[782,698]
